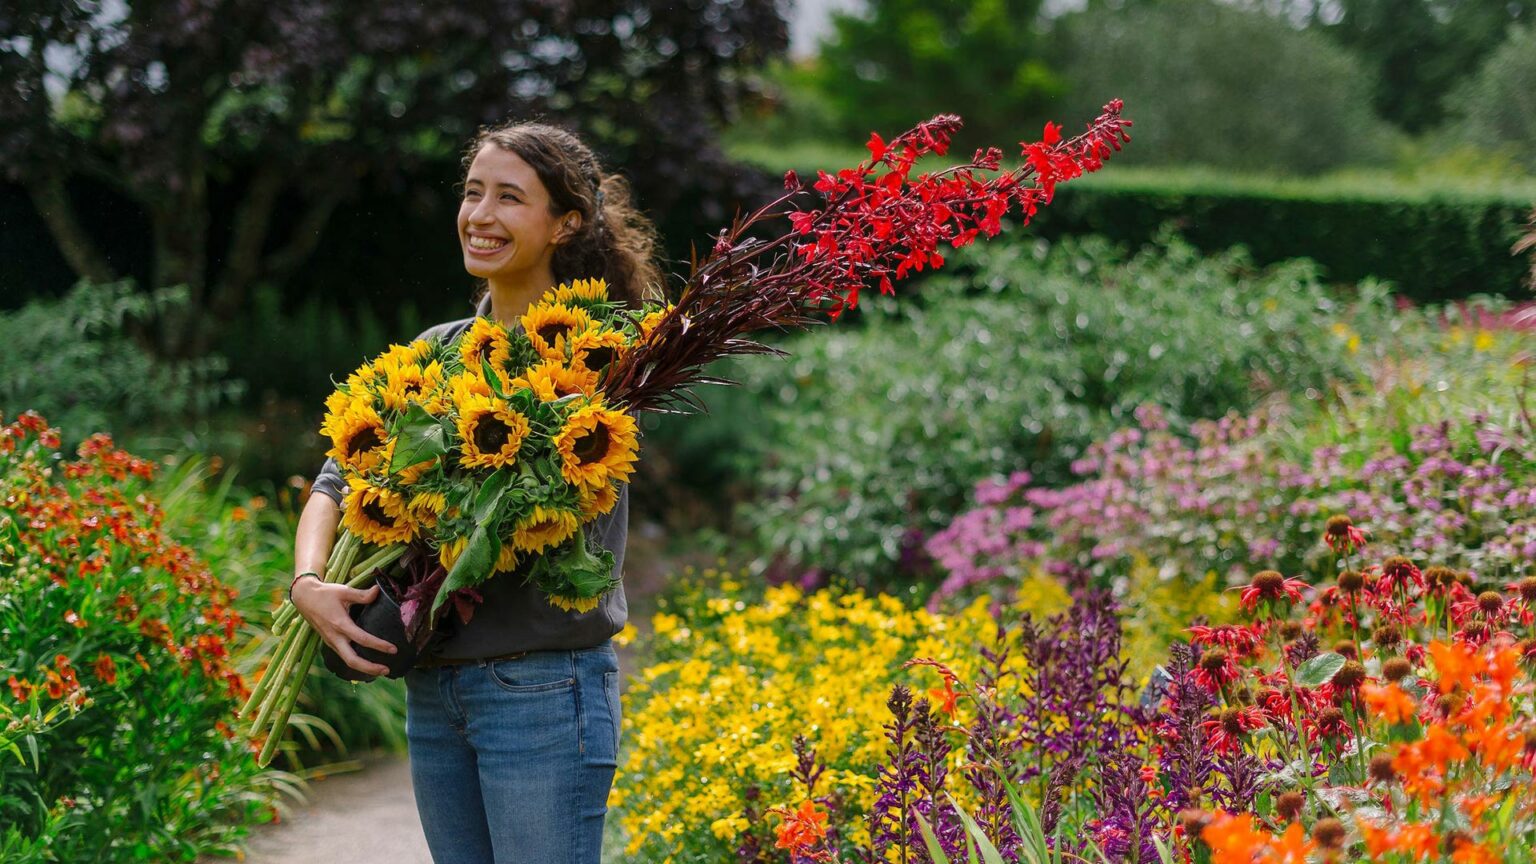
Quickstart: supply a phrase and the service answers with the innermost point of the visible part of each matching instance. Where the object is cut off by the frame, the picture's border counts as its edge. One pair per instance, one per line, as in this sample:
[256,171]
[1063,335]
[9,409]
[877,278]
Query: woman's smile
[485,245]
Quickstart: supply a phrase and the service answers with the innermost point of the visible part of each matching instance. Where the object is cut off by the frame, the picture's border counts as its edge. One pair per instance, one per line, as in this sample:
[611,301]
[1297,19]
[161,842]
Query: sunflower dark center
[491,434]
[593,446]
[599,357]
[375,512]
[553,330]
[363,440]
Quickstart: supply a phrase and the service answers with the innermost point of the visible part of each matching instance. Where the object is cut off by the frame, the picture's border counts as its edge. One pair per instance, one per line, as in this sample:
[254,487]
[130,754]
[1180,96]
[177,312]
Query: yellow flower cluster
[735,678]
[501,399]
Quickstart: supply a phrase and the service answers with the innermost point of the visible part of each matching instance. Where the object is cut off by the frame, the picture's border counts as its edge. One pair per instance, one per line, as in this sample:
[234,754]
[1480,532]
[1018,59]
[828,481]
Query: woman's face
[505,224]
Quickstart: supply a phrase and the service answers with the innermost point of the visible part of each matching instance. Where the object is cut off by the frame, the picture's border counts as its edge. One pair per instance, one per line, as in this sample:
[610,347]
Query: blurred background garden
[1308,278]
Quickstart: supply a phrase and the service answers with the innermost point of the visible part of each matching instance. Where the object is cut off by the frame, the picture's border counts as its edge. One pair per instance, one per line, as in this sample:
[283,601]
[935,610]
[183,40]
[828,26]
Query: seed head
[1329,833]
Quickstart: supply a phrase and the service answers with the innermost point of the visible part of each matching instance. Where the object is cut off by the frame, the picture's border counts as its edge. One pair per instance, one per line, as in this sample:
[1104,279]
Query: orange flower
[1458,666]
[105,669]
[1389,702]
[945,696]
[1234,839]
[1417,841]
[1292,847]
[1470,851]
[22,690]
[1494,745]
[800,830]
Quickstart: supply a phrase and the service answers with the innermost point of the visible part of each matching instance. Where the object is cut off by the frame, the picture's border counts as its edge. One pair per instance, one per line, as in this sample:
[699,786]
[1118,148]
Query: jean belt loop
[483,662]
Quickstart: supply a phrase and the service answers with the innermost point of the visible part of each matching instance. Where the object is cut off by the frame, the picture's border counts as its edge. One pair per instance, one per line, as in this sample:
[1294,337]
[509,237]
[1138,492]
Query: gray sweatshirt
[515,616]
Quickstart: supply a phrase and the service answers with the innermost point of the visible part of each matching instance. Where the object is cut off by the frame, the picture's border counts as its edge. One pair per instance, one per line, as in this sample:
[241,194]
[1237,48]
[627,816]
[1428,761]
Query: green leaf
[419,437]
[473,566]
[489,497]
[989,852]
[1164,854]
[1319,670]
[935,851]
[492,378]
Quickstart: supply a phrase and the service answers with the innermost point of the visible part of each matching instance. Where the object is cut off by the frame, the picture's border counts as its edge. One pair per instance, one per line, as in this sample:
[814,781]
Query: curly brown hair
[615,241]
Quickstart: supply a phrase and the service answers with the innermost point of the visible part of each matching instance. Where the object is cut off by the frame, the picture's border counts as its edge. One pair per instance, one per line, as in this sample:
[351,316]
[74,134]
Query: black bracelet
[296,581]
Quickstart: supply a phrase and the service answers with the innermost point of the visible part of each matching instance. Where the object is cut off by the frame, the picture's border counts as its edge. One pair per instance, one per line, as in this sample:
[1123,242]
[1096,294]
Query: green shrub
[872,435]
[1432,244]
[1207,83]
[1496,108]
[73,359]
[120,687]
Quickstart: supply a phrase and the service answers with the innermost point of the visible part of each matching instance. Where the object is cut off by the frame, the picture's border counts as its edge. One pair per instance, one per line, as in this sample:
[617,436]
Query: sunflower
[651,319]
[416,352]
[550,326]
[552,380]
[412,474]
[448,551]
[427,506]
[485,340]
[407,382]
[596,445]
[491,432]
[506,560]
[574,604]
[580,292]
[596,500]
[359,440]
[376,515]
[544,527]
[596,348]
[467,384]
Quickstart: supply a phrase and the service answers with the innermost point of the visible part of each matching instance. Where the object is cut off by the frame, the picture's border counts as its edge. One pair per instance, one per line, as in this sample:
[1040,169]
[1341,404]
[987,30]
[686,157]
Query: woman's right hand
[324,606]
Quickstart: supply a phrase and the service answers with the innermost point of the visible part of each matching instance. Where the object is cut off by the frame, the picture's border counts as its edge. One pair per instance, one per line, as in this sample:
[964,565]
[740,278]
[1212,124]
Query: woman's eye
[509,197]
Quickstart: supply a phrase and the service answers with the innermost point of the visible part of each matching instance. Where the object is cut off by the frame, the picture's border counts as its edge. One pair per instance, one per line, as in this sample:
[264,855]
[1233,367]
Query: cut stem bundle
[272,700]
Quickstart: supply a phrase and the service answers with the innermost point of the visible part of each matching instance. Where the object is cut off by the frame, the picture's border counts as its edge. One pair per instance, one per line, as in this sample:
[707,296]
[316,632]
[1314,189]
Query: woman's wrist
[296,579]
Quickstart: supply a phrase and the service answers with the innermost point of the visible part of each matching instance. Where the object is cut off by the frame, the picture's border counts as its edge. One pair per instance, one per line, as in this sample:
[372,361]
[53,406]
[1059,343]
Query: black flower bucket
[381,618]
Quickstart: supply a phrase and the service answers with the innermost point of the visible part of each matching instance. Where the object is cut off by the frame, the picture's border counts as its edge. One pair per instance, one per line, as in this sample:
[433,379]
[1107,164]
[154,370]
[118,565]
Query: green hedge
[1433,245]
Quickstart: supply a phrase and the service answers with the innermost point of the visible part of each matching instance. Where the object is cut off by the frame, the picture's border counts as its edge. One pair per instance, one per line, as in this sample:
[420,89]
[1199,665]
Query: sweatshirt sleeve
[329,483]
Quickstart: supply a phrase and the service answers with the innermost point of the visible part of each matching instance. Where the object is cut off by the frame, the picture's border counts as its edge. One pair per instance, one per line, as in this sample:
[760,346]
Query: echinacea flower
[1268,586]
[1215,670]
[1342,536]
[1227,727]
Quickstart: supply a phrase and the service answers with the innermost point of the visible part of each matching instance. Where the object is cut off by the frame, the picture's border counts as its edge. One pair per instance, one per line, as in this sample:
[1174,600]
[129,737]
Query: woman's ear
[569,225]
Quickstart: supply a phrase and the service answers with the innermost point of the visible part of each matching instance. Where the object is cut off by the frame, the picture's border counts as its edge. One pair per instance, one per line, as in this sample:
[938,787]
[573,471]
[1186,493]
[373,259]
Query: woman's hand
[324,606]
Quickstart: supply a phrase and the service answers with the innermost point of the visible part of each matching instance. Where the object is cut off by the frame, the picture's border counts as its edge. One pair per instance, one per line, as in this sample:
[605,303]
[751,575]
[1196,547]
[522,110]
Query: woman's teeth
[486,243]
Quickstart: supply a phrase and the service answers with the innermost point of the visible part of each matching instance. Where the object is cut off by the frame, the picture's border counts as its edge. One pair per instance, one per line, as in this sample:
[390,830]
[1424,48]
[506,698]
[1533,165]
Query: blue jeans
[512,761]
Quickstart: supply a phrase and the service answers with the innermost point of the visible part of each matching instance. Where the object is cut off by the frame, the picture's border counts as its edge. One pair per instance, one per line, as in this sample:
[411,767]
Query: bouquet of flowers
[499,446]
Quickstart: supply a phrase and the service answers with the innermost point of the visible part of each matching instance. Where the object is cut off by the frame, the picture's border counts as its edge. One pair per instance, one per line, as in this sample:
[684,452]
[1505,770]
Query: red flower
[1215,670]
[1268,586]
[1227,727]
[1240,640]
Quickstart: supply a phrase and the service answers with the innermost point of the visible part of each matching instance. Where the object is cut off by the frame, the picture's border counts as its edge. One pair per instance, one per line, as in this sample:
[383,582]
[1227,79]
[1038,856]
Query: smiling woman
[512,717]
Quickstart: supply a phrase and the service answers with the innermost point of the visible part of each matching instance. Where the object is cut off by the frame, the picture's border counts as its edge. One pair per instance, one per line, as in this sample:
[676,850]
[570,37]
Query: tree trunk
[51,199]
[180,229]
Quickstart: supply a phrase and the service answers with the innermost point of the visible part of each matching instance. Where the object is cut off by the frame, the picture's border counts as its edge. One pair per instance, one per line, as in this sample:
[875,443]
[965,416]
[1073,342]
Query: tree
[289,104]
[1416,50]
[1211,84]
[906,60]
[1495,109]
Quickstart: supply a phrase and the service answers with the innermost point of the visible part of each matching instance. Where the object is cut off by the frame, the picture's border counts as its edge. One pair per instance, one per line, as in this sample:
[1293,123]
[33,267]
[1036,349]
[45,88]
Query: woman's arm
[324,605]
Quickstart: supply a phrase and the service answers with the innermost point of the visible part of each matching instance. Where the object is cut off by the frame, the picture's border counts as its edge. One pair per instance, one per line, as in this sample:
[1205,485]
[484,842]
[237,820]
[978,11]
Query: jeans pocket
[615,708]
[512,679]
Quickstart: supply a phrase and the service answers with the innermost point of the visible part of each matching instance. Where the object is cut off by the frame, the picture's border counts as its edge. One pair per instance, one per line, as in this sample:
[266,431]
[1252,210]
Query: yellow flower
[485,340]
[577,604]
[411,474]
[376,514]
[543,528]
[467,384]
[596,500]
[578,292]
[448,552]
[359,440]
[596,348]
[409,382]
[491,433]
[427,506]
[651,319]
[506,559]
[597,445]
[552,380]
[550,327]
